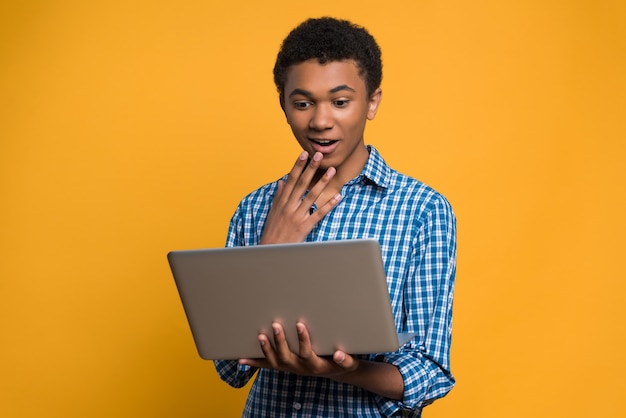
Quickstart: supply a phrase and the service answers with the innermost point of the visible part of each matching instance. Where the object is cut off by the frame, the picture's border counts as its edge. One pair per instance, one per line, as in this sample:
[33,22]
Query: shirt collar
[376,169]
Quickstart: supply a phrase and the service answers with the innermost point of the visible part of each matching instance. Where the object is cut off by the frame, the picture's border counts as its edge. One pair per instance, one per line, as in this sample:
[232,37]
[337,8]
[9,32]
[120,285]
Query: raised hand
[290,218]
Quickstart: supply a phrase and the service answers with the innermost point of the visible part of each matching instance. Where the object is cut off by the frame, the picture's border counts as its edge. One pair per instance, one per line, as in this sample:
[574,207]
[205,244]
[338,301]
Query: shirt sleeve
[230,371]
[424,362]
[233,373]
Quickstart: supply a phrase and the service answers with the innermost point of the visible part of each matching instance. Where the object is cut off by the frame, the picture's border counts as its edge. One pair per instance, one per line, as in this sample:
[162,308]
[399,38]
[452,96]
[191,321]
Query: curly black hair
[329,39]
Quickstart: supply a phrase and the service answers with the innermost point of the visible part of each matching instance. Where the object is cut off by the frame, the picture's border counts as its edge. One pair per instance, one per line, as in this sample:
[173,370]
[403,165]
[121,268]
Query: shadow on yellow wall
[130,130]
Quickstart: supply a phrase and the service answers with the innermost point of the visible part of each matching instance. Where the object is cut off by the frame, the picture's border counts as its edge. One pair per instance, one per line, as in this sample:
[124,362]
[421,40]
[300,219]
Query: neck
[344,174]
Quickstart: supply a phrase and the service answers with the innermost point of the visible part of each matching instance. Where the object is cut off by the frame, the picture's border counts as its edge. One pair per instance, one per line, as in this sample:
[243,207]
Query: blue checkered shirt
[415,227]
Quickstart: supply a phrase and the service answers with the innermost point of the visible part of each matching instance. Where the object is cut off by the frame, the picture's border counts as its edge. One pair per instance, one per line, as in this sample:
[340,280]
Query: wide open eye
[302,104]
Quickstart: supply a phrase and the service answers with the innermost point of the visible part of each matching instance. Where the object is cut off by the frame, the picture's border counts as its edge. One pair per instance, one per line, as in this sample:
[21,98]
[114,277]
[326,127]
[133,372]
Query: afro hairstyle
[328,39]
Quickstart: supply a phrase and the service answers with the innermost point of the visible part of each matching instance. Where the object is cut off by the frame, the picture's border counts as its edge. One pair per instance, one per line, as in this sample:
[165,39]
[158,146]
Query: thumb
[345,361]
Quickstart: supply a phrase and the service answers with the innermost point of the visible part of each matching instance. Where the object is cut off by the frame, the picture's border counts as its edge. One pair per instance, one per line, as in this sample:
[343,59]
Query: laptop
[337,288]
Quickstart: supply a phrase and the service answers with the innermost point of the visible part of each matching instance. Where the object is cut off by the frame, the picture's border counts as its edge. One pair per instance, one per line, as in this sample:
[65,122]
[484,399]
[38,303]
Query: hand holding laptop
[305,361]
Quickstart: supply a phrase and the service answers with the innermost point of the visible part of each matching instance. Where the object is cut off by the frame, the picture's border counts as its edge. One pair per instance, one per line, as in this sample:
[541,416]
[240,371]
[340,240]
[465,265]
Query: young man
[328,75]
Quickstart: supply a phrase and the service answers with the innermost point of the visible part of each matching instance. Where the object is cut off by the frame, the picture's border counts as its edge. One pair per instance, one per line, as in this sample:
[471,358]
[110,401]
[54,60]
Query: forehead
[322,78]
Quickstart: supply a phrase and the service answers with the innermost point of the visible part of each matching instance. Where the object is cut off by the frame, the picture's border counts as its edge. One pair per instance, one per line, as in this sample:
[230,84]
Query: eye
[341,102]
[302,104]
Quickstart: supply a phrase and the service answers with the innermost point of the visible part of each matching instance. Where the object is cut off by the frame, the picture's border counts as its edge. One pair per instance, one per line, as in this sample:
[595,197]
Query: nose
[321,118]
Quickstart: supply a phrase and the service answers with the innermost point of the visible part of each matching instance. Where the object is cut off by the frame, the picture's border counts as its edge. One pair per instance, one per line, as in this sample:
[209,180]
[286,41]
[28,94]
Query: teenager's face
[327,106]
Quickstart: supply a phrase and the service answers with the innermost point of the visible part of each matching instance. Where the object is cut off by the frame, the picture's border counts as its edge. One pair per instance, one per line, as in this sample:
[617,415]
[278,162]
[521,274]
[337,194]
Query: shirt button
[297,406]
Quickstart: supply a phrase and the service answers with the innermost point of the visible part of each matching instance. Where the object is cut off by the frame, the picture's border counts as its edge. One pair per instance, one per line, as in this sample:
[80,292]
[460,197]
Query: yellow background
[130,128]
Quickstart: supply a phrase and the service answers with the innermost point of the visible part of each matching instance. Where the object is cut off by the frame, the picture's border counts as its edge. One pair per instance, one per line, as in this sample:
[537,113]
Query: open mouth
[323,142]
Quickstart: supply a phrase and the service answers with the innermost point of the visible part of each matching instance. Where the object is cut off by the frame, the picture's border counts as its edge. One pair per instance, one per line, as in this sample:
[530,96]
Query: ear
[374,102]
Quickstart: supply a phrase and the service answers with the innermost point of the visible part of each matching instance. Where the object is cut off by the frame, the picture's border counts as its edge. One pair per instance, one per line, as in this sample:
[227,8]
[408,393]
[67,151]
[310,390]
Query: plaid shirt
[415,227]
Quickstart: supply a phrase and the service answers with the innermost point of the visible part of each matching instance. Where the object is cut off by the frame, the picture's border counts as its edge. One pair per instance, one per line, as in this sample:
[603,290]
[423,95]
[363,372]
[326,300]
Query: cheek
[296,129]
[354,124]
[297,121]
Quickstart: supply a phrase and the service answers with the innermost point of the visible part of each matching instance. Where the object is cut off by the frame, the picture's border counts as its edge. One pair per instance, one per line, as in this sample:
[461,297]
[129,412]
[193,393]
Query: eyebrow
[307,93]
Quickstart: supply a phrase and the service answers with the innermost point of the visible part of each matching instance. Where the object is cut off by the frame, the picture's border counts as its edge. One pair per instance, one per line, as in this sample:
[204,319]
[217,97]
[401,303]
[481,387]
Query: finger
[319,187]
[283,353]
[305,178]
[255,362]
[295,173]
[279,190]
[325,208]
[279,195]
[268,350]
[306,349]
[314,165]
[345,361]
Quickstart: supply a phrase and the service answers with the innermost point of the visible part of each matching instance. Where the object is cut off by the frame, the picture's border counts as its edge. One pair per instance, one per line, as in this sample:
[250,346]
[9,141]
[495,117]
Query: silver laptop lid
[337,288]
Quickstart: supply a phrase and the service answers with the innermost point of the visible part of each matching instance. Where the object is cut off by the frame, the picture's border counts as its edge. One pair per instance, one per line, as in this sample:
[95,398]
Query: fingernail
[304,156]
[317,156]
[340,358]
[276,329]
[299,328]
